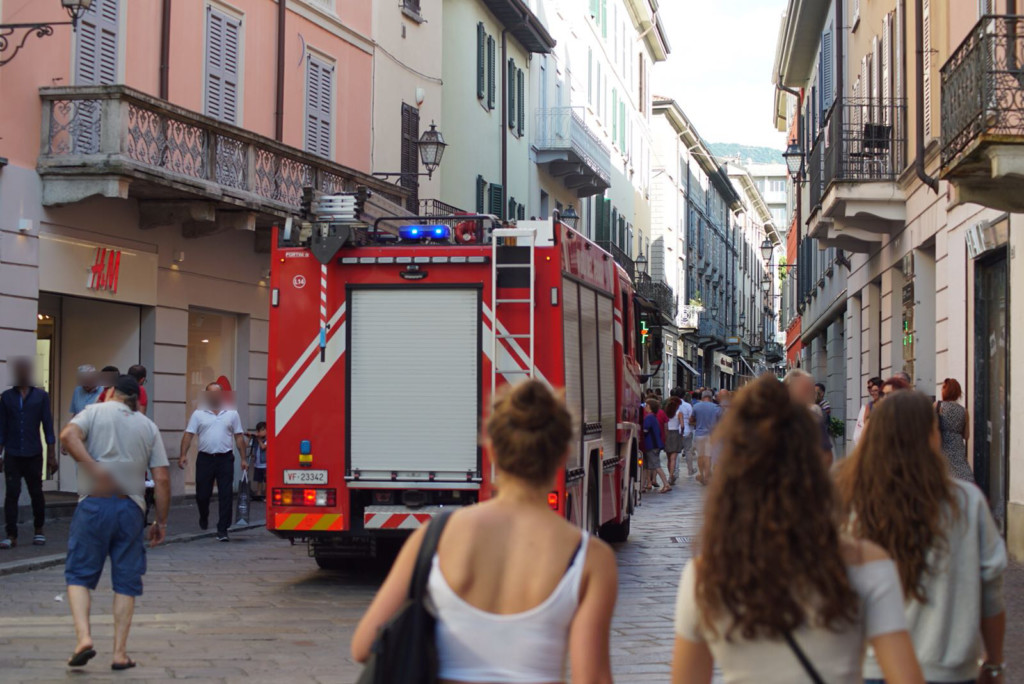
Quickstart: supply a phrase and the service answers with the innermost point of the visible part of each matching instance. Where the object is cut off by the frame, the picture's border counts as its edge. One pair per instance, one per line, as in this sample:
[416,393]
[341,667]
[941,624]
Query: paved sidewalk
[182,525]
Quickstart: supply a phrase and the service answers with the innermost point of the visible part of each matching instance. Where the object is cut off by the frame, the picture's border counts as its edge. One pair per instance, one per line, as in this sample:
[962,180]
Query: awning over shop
[688,367]
[749,367]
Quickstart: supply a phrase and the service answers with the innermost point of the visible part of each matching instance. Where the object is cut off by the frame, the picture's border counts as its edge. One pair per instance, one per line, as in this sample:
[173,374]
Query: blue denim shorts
[107,527]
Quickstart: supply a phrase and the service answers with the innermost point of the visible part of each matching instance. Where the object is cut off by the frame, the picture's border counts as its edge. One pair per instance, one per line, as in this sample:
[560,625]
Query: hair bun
[530,405]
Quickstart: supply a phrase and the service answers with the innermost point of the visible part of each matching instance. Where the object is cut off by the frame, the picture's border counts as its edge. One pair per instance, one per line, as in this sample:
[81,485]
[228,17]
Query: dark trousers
[31,469]
[219,468]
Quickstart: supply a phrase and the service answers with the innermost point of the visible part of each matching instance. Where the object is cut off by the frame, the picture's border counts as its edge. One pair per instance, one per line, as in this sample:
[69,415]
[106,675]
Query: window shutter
[595,9]
[481,188]
[481,47]
[512,207]
[887,69]
[510,80]
[604,18]
[96,50]
[521,95]
[521,213]
[497,200]
[319,100]
[615,115]
[410,156]
[222,38]
[927,80]
[827,69]
[898,67]
[490,72]
[622,126]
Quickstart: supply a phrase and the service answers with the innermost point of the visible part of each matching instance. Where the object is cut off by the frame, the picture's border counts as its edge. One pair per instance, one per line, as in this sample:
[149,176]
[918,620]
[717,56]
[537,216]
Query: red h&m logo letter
[106,269]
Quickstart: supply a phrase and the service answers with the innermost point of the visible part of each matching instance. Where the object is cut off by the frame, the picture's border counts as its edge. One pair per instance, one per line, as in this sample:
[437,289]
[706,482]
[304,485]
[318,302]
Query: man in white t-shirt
[685,413]
[113,445]
[219,431]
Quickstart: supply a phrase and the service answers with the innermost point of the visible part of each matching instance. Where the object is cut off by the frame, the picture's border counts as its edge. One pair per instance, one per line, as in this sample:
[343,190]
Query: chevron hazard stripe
[308,522]
[395,521]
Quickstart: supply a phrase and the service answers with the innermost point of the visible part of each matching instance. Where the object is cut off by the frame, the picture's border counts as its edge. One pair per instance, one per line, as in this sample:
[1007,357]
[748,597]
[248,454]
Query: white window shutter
[927,80]
[223,35]
[319,106]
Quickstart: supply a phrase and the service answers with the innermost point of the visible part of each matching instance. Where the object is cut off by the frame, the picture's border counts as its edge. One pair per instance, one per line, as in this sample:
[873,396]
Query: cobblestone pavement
[258,610]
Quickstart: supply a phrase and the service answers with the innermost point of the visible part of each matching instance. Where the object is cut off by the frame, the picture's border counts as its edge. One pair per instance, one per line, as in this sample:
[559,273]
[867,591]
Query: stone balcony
[983,115]
[853,174]
[569,149]
[182,167]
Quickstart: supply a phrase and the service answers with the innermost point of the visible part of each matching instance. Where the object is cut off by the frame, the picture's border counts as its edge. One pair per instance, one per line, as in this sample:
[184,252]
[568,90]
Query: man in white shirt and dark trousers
[219,430]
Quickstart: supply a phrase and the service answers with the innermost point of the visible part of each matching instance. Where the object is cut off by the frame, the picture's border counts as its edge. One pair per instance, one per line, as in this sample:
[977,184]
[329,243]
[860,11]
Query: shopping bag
[242,507]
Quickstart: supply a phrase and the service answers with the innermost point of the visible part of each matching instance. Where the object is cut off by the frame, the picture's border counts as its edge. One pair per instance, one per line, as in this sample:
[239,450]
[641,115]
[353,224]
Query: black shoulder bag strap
[425,557]
[799,653]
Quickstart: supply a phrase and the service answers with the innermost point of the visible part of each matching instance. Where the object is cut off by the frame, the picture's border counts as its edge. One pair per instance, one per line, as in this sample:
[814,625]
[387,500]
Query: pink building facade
[144,160]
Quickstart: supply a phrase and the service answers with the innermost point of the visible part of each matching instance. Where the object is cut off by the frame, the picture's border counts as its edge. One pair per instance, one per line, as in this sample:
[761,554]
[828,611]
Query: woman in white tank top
[519,592]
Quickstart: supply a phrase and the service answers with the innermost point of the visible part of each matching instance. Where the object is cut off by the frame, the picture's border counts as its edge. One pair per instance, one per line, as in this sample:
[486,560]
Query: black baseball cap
[127,385]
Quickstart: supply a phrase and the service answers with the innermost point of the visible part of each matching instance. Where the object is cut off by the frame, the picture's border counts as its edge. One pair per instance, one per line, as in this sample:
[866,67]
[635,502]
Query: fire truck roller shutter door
[588,343]
[421,345]
[606,355]
[573,379]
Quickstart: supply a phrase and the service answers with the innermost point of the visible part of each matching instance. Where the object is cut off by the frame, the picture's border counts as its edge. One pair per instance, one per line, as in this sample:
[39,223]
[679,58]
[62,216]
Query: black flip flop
[123,666]
[80,658]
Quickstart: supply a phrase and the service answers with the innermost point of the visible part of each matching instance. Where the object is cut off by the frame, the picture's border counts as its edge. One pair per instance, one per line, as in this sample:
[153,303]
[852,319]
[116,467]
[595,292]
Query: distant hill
[759,155]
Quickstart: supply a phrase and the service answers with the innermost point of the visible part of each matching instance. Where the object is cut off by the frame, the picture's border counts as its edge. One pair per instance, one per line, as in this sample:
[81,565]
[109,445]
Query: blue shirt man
[23,410]
[705,416]
[87,391]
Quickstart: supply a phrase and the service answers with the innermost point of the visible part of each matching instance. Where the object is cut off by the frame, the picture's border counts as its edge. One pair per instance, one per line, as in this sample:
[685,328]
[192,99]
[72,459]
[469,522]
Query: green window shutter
[604,18]
[490,72]
[521,88]
[522,212]
[481,187]
[595,9]
[481,48]
[497,200]
[511,208]
[510,80]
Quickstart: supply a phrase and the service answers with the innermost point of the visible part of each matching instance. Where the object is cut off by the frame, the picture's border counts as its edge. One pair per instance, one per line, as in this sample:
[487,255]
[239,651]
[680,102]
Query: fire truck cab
[387,347]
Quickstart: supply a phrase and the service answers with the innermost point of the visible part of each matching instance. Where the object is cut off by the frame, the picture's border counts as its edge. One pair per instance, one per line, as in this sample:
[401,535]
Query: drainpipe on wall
[165,50]
[282,13]
[504,114]
[919,96]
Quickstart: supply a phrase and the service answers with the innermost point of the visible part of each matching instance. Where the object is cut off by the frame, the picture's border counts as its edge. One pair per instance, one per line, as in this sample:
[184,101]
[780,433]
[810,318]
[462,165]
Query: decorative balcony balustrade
[983,87]
[572,150]
[773,352]
[709,328]
[658,292]
[620,257]
[156,150]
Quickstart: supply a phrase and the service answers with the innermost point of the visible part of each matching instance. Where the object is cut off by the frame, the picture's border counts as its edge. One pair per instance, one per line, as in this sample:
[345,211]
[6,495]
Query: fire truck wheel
[615,532]
[330,563]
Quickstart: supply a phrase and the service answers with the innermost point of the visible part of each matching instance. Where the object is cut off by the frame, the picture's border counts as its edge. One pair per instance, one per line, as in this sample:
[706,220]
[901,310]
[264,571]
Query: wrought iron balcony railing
[115,131]
[983,86]
[620,257]
[709,328]
[863,140]
[658,292]
[773,352]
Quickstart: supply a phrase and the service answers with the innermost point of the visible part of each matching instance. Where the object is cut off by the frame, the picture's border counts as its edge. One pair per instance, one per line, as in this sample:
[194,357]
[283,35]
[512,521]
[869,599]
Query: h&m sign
[106,270]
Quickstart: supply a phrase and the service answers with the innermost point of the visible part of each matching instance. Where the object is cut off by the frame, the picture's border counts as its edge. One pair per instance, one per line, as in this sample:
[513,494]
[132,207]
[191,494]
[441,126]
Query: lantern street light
[641,265]
[570,218]
[794,157]
[431,147]
[75,10]
[766,283]
[766,249]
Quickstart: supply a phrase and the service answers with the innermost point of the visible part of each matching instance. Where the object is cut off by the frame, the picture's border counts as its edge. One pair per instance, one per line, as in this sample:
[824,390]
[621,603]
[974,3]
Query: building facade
[910,197]
[146,158]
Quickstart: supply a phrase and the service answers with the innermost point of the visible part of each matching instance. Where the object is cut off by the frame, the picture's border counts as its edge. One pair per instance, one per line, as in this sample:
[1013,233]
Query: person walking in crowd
[955,427]
[24,409]
[705,417]
[822,400]
[894,384]
[874,391]
[87,391]
[905,377]
[685,413]
[773,576]
[258,457]
[802,391]
[939,530]
[516,588]
[218,430]
[113,444]
[673,436]
[653,444]
[138,371]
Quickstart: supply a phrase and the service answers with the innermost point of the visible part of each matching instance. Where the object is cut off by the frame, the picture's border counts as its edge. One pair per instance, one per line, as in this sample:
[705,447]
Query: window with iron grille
[410,156]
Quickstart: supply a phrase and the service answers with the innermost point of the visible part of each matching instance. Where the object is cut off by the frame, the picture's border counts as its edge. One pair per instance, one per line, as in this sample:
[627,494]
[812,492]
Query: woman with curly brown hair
[775,593]
[939,531]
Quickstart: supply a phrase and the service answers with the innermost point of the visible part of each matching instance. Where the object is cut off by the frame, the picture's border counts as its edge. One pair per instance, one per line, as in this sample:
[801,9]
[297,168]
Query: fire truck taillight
[286,496]
[553,501]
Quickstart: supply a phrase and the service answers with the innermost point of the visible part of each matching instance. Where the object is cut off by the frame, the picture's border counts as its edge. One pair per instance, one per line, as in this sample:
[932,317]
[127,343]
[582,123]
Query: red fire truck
[384,359]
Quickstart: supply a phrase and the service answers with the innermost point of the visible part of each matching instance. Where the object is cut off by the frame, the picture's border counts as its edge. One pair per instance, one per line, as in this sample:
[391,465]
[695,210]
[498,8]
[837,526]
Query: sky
[719,70]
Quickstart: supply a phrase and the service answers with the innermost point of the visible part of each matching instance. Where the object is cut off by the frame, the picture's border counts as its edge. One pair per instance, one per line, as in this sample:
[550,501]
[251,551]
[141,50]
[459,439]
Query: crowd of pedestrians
[805,569]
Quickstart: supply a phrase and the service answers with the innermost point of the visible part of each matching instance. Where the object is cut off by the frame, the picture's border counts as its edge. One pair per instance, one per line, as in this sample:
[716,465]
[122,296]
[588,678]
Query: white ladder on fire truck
[529,235]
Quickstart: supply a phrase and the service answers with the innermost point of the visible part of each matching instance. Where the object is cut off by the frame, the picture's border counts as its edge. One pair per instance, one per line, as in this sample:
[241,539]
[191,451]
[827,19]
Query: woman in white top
[941,534]
[772,565]
[516,587]
[874,391]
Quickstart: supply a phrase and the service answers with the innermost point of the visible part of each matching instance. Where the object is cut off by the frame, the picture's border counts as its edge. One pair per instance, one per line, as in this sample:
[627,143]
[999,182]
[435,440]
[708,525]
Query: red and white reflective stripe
[511,354]
[395,521]
[323,295]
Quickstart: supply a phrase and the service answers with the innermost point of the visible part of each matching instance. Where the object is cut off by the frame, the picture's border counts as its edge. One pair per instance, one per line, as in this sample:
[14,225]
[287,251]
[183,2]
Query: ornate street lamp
[570,217]
[766,249]
[431,146]
[75,10]
[766,283]
[641,264]
[794,157]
